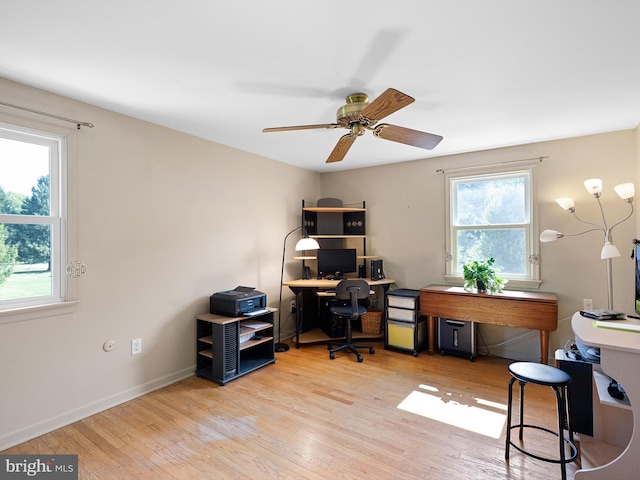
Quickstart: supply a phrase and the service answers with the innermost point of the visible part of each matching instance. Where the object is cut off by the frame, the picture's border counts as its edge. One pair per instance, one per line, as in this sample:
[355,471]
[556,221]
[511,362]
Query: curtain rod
[71,120]
[441,170]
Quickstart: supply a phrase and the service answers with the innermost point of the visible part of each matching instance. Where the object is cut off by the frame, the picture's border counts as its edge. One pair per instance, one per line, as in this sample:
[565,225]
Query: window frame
[61,218]
[530,281]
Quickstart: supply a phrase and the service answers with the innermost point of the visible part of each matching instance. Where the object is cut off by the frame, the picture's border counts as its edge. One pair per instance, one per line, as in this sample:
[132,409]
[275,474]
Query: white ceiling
[484,74]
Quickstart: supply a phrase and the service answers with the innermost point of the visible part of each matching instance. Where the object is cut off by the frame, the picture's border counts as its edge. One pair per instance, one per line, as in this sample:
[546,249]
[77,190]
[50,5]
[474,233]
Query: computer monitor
[336,261]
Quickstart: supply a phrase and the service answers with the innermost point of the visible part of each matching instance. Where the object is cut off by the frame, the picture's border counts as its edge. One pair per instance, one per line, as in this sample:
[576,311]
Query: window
[33,166]
[492,215]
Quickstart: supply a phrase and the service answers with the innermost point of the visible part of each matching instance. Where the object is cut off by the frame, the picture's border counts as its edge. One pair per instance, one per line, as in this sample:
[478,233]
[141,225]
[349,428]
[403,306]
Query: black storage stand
[579,391]
[457,337]
[229,347]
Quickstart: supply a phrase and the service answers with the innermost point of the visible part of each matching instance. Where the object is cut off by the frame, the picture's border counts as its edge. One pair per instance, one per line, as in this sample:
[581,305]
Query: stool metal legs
[561,400]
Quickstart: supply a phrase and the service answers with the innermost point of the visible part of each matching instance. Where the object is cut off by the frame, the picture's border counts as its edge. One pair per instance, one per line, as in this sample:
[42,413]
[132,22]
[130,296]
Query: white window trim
[67,302]
[534,281]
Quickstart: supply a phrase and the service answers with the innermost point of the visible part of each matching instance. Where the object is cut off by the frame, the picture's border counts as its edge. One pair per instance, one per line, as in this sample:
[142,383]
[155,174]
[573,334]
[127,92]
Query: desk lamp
[609,250]
[305,243]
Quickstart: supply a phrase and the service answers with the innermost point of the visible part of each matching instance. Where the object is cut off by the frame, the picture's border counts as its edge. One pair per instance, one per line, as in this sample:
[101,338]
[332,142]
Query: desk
[298,286]
[619,358]
[535,310]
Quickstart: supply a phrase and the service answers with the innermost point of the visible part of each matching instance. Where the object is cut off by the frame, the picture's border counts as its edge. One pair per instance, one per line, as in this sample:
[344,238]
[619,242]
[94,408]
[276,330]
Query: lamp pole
[283,347]
[305,243]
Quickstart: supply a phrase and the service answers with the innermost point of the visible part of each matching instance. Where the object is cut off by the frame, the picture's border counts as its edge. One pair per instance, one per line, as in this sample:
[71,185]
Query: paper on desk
[254,324]
[618,325]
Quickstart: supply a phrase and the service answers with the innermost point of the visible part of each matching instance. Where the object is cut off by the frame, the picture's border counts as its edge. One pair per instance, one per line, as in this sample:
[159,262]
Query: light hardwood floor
[308,417]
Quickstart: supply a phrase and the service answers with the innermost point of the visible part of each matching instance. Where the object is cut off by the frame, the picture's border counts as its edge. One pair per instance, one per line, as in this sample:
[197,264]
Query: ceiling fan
[359,115]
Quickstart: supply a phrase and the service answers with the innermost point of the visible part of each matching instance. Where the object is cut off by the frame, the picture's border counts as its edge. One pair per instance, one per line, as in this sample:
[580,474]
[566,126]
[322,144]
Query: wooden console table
[534,310]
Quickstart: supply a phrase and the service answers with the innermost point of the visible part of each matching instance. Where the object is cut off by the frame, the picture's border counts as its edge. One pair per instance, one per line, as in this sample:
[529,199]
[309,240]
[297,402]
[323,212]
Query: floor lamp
[305,243]
[625,191]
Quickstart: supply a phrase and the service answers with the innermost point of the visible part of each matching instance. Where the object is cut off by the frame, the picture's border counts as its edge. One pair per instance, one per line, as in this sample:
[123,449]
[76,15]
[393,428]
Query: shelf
[333,209]
[317,335]
[208,340]
[253,343]
[360,257]
[338,236]
[602,383]
[206,353]
[594,454]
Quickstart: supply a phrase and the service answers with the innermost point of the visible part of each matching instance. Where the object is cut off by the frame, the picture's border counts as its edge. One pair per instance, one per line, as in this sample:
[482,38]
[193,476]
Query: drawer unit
[405,328]
[457,337]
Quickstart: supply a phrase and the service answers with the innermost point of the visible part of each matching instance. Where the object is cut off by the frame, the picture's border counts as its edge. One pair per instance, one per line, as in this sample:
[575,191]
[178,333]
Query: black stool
[528,372]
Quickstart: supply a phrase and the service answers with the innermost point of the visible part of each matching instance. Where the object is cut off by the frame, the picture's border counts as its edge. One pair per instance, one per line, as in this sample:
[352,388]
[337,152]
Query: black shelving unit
[229,347]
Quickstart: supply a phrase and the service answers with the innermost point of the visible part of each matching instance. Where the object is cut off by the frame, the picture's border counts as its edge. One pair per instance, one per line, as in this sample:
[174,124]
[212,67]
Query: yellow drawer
[401,334]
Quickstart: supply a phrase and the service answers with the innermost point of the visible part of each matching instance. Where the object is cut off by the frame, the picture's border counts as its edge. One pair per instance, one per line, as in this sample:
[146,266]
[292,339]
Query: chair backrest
[345,288]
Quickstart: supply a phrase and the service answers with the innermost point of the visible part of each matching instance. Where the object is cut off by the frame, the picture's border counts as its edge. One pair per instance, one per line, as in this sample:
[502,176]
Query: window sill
[528,284]
[39,311]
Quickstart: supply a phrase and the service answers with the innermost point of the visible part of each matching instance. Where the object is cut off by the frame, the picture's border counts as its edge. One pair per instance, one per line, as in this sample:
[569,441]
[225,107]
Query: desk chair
[352,290]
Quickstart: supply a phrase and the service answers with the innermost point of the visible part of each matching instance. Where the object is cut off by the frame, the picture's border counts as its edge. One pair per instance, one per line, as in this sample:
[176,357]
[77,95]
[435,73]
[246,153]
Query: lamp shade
[550,236]
[593,186]
[307,243]
[625,190]
[566,203]
[609,251]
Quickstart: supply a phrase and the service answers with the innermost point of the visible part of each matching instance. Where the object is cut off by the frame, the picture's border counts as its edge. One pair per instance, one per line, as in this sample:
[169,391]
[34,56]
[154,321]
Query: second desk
[535,310]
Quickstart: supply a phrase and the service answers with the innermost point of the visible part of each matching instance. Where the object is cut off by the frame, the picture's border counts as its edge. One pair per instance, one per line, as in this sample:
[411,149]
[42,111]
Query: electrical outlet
[136,346]
[293,306]
[587,304]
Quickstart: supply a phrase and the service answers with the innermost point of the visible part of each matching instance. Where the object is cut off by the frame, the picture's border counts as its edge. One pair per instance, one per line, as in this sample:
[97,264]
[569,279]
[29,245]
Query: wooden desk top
[223,319]
[535,310]
[323,283]
[613,339]
[507,294]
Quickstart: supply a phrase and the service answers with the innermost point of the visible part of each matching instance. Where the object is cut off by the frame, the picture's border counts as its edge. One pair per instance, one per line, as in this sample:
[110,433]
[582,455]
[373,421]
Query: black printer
[237,302]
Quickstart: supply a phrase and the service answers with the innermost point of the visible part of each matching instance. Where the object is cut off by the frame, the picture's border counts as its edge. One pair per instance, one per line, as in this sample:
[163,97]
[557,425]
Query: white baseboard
[32,431]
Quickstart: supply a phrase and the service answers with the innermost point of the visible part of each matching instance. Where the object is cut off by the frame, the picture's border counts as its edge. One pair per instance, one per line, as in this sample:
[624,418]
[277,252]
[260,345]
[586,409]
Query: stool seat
[539,374]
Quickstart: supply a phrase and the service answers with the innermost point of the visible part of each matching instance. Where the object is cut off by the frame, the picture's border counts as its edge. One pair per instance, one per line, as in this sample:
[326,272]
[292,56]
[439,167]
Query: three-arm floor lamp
[609,250]
[305,243]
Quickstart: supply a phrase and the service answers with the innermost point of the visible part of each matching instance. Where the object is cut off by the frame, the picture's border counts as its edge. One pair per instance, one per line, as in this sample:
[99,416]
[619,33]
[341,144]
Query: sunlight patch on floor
[473,414]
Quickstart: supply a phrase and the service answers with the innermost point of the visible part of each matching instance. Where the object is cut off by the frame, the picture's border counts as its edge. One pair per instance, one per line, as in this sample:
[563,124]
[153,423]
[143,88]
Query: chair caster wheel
[360,359]
[372,350]
[332,356]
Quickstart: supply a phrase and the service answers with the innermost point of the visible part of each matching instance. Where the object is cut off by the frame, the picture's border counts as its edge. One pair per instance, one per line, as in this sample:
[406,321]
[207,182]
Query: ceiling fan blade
[301,127]
[341,148]
[391,100]
[407,136]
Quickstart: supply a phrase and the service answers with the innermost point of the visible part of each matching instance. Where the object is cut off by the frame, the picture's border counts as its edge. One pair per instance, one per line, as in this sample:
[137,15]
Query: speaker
[377,272]
[361,271]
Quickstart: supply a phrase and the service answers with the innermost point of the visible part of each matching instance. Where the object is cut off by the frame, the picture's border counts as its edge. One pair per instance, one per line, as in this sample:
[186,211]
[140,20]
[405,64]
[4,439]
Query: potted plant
[483,276]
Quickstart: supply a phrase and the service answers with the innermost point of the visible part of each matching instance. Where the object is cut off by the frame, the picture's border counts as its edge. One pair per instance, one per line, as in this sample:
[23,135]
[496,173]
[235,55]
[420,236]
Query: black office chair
[352,290]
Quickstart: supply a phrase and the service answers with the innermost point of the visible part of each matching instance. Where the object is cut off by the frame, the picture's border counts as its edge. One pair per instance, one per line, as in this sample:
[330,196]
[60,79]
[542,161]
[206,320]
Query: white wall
[164,220]
[406,218]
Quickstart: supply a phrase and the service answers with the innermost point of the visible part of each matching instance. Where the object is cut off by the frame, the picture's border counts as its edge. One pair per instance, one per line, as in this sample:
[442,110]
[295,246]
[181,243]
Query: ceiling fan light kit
[358,115]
